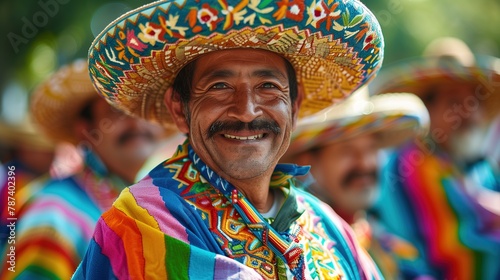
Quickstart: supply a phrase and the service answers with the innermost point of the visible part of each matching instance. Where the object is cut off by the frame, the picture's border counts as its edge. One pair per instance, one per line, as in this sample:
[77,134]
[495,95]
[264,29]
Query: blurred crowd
[410,161]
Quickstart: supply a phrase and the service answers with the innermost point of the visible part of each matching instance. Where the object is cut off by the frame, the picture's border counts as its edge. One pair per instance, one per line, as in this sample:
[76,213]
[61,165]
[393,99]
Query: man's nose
[366,160]
[245,105]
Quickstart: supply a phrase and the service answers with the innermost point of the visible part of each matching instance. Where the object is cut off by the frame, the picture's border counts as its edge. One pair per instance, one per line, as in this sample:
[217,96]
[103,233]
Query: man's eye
[268,85]
[219,86]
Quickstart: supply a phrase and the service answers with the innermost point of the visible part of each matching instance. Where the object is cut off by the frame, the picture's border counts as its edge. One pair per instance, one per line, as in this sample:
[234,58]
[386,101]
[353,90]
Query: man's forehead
[228,63]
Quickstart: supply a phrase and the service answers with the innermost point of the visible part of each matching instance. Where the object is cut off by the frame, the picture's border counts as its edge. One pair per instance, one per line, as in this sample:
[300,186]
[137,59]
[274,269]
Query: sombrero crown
[57,101]
[334,46]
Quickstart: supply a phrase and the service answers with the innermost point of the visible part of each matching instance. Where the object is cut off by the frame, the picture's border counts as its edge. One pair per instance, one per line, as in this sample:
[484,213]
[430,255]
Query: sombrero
[24,133]
[394,118]
[57,101]
[334,46]
[444,60]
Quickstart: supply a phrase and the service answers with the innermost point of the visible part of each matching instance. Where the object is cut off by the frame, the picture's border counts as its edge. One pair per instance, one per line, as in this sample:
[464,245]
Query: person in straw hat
[233,77]
[54,227]
[27,149]
[427,199]
[27,157]
[341,145]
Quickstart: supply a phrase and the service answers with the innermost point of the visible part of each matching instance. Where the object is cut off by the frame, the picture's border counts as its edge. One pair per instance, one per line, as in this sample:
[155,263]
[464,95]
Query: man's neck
[256,190]
[351,217]
[102,168]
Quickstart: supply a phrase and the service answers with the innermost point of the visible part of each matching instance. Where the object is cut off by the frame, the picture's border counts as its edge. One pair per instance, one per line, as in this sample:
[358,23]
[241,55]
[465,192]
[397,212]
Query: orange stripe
[131,237]
[152,238]
[446,245]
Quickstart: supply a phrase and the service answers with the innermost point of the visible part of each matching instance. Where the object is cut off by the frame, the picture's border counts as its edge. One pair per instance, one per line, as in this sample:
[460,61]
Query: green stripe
[177,258]
[37,272]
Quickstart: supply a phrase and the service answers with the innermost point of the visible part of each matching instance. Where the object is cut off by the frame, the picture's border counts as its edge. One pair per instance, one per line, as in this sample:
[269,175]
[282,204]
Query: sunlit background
[39,36]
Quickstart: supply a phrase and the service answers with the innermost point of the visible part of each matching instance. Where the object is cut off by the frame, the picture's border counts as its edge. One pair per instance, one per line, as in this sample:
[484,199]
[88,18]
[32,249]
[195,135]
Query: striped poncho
[183,221]
[55,223]
[17,183]
[426,201]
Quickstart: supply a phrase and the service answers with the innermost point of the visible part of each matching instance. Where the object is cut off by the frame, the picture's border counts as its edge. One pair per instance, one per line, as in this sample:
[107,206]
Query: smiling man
[234,79]
[242,115]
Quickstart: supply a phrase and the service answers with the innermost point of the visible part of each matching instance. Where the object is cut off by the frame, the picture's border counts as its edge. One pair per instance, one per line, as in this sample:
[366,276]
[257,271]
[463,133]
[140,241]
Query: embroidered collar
[281,236]
[94,163]
[96,180]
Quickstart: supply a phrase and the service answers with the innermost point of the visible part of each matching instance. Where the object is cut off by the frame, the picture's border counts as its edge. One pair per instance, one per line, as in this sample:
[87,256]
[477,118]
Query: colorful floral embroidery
[208,16]
[290,9]
[320,13]
[233,14]
[171,28]
[151,33]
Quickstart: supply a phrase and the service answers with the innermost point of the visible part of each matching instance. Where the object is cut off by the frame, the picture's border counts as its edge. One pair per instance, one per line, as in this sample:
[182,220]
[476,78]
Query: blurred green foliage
[41,35]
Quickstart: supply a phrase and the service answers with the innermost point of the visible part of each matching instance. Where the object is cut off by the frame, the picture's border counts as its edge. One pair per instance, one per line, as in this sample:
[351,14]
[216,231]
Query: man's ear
[174,105]
[81,130]
[296,106]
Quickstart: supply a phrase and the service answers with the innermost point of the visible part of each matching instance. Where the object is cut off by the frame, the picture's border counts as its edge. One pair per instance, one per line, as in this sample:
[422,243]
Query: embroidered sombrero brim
[394,118]
[57,101]
[334,46]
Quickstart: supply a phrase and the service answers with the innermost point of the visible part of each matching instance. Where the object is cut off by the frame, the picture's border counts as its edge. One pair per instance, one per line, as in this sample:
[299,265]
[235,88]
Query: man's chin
[468,145]
[364,195]
[361,186]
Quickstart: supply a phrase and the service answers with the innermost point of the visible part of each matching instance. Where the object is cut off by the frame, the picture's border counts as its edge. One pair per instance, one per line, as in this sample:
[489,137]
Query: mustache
[128,135]
[359,174]
[235,126]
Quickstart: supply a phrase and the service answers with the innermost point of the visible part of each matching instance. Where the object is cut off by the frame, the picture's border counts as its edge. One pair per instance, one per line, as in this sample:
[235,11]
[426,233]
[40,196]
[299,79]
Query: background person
[342,145]
[429,201]
[28,155]
[54,227]
[25,147]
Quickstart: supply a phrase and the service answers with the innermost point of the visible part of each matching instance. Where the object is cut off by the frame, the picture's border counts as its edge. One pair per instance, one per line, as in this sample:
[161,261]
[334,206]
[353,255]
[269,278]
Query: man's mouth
[361,178]
[253,130]
[252,137]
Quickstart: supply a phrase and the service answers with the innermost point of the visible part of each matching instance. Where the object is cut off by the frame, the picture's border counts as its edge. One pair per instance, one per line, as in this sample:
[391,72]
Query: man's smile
[251,137]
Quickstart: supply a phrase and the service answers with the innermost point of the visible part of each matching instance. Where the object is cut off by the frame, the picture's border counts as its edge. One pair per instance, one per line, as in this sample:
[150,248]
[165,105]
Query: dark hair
[86,112]
[429,97]
[182,83]
[292,81]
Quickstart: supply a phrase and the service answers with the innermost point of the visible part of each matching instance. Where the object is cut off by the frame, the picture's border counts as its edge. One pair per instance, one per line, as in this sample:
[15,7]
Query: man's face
[241,115]
[119,140]
[346,173]
[457,115]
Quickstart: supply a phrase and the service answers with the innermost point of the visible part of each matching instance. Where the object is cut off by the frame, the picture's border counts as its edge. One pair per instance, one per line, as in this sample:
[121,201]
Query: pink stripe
[85,223]
[148,197]
[423,214]
[112,247]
